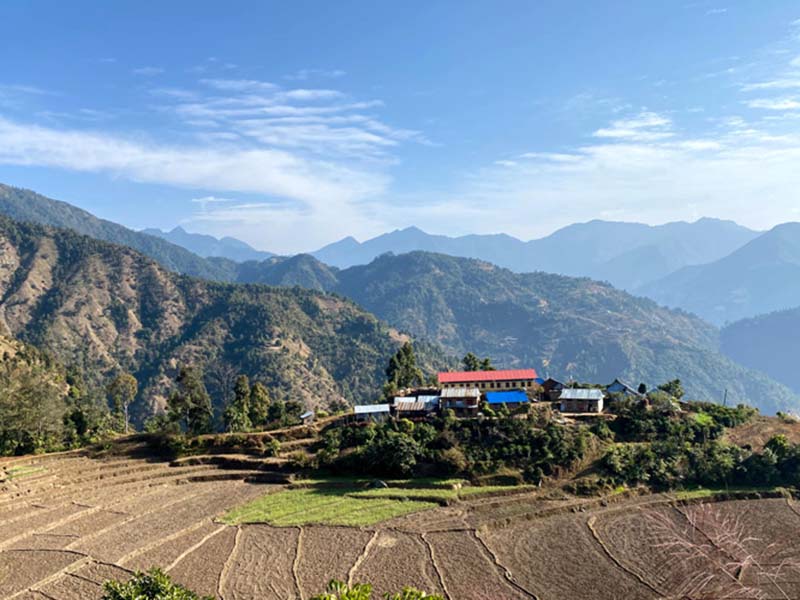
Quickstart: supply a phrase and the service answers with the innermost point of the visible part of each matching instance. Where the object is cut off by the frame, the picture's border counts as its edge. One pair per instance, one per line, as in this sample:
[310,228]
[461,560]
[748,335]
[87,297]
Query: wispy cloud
[148,71]
[774,103]
[642,127]
[305,74]
[716,11]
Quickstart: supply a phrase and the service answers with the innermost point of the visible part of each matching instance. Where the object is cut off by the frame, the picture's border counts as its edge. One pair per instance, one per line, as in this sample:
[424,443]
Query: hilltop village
[481,393]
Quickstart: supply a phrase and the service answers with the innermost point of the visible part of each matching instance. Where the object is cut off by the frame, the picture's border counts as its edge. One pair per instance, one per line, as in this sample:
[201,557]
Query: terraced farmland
[69,522]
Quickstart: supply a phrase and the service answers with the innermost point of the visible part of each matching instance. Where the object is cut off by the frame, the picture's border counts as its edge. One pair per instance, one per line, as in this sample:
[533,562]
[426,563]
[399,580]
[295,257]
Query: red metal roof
[475,376]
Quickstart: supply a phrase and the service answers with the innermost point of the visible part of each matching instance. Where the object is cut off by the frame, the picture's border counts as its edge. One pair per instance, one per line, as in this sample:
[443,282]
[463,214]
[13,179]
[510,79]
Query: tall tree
[122,392]
[190,404]
[259,404]
[472,363]
[674,388]
[237,413]
[403,371]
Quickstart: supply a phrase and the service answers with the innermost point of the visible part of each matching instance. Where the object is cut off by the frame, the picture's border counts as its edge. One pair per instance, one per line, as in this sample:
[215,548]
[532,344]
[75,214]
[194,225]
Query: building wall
[494,385]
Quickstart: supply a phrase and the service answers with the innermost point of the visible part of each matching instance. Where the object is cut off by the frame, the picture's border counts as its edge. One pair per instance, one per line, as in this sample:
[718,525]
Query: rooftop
[461,392]
[582,394]
[512,397]
[366,409]
[476,376]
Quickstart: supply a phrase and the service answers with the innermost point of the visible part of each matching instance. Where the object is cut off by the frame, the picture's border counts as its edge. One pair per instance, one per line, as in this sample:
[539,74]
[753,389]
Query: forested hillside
[768,343]
[105,308]
[562,326]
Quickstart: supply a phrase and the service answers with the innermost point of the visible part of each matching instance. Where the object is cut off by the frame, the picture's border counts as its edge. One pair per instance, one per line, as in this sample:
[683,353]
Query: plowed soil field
[70,522]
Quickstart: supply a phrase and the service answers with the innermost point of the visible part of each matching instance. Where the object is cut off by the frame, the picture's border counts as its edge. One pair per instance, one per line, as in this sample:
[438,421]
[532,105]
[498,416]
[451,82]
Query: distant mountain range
[628,255]
[760,277]
[208,246]
[566,327]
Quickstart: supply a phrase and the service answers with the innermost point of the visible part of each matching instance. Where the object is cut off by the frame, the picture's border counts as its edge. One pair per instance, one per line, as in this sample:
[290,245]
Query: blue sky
[293,124]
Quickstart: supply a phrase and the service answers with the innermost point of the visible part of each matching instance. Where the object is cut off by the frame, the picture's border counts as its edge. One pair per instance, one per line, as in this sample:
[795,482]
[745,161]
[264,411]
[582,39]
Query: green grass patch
[703,492]
[346,501]
[23,471]
[322,505]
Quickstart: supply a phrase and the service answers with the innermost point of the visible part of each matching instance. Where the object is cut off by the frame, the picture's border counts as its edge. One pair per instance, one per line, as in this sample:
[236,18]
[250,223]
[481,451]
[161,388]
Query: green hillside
[103,307]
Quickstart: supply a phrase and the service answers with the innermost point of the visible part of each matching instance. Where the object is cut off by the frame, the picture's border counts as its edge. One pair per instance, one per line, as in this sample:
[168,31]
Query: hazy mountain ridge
[105,307]
[207,246]
[563,326]
[768,343]
[626,254]
[26,205]
[761,277]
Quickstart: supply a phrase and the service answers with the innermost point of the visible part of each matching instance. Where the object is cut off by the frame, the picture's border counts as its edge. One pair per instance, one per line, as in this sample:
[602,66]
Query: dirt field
[69,522]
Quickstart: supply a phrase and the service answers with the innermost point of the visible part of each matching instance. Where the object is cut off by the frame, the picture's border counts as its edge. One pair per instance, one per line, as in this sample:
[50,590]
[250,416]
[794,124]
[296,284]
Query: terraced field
[69,522]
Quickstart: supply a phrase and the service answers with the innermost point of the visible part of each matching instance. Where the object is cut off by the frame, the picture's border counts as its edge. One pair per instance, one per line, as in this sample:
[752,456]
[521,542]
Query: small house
[582,400]
[512,399]
[463,400]
[415,407]
[620,387]
[551,389]
[375,413]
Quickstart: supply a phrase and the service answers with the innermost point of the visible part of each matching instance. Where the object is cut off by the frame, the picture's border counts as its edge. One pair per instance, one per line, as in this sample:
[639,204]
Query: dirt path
[362,557]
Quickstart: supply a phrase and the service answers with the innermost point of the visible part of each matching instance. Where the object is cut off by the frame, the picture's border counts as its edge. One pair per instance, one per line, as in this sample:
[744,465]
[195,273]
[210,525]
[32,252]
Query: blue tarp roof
[513,397]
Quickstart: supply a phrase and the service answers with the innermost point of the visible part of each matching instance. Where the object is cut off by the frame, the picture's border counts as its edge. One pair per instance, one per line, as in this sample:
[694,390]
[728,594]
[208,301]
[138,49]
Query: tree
[190,404]
[122,392]
[642,388]
[472,363]
[403,371]
[237,413]
[259,404]
[153,585]
[673,388]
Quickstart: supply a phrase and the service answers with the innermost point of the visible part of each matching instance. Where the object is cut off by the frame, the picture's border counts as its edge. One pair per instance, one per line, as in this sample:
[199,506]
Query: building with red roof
[515,379]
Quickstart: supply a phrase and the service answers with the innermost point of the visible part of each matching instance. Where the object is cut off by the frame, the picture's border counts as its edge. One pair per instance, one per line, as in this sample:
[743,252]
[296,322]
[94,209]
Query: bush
[153,585]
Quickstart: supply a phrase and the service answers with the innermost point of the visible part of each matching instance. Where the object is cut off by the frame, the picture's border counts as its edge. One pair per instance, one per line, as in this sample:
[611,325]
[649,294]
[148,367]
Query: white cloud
[716,11]
[239,85]
[148,71]
[783,83]
[302,94]
[644,126]
[305,74]
[774,103]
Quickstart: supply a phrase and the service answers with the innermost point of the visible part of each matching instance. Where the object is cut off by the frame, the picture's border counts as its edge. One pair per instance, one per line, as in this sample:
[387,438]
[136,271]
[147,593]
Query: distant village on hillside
[482,393]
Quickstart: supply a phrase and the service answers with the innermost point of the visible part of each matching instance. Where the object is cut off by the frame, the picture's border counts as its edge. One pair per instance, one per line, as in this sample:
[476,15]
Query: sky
[293,124]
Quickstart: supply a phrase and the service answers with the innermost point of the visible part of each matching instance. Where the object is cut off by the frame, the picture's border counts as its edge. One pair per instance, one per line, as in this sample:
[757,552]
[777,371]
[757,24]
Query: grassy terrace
[22,472]
[348,502]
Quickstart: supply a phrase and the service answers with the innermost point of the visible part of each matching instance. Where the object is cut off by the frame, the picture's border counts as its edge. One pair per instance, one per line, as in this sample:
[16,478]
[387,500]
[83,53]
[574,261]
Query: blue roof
[512,397]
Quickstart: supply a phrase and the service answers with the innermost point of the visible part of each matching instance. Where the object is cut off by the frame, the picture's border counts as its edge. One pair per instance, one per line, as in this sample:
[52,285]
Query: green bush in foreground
[153,585]
[156,585]
[338,590]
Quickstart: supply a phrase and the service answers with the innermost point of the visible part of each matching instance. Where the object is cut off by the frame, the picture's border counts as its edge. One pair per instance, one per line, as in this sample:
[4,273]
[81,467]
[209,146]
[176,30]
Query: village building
[375,413]
[511,399]
[620,387]
[551,389]
[463,400]
[415,407]
[582,400]
[516,379]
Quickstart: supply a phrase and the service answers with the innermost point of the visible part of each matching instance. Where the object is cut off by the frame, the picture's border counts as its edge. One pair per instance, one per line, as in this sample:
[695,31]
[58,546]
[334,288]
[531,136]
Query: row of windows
[493,385]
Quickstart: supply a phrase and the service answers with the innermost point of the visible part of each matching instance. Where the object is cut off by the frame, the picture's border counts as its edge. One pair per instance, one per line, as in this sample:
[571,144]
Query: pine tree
[190,404]
[403,371]
[237,413]
[259,404]
[122,392]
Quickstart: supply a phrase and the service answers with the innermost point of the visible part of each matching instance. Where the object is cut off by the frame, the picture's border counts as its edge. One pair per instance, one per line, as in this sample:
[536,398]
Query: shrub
[153,585]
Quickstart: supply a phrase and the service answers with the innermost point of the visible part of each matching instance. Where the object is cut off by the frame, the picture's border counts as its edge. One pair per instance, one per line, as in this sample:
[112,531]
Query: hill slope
[25,205]
[103,307]
[763,276]
[768,343]
[626,254]
[563,326]
[208,246]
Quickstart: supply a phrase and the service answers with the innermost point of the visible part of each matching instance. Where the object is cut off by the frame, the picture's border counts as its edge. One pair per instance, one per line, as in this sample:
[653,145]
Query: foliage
[153,585]
[122,392]
[259,405]
[237,413]
[403,371]
[674,388]
[338,590]
[473,363]
[190,404]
